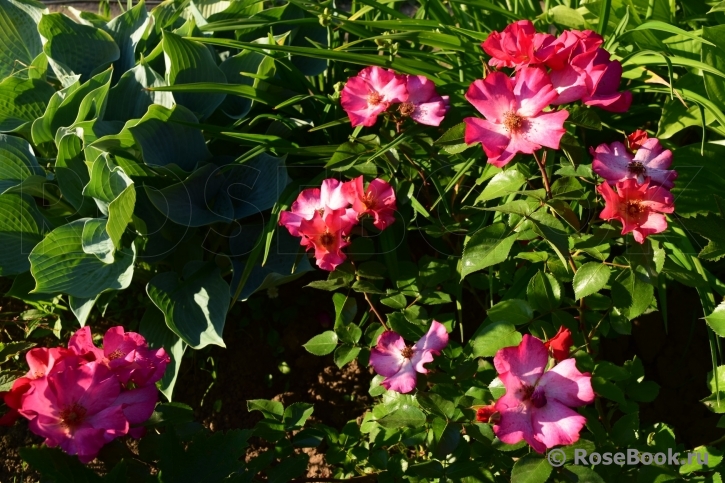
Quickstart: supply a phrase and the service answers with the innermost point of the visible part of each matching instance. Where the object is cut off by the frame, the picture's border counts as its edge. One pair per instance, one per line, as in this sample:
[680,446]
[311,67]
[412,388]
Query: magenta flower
[570,44]
[616,163]
[638,207]
[518,45]
[315,200]
[130,358]
[514,121]
[424,105]
[392,358]
[370,93]
[377,200]
[325,234]
[537,405]
[82,344]
[603,79]
[74,409]
[138,405]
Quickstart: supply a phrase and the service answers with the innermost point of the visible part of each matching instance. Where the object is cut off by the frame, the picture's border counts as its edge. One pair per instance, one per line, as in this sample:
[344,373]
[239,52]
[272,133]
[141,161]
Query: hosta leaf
[233,67]
[194,307]
[22,101]
[19,39]
[129,98]
[75,49]
[73,104]
[21,228]
[96,241]
[59,264]
[17,162]
[127,30]
[158,335]
[71,170]
[223,193]
[189,62]
[284,264]
[114,194]
[164,141]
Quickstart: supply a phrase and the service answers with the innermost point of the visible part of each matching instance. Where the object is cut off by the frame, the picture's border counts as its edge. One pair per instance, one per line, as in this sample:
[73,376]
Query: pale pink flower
[518,45]
[514,121]
[616,163]
[424,105]
[638,207]
[378,200]
[315,200]
[325,234]
[392,358]
[370,93]
[537,405]
[74,409]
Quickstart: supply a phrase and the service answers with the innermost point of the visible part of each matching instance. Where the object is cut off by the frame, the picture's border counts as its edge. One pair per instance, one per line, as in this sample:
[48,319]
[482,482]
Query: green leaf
[437,404]
[322,344]
[608,389]
[631,294]
[699,178]
[531,469]
[19,39]
[405,416]
[716,321]
[583,474]
[130,98]
[71,105]
[190,62]
[504,183]
[584,116]
[54,464]
[624,431]
[22,229]
[270,409]
[345,354]
[168,137]
[543,292]
[486,247]
[22,101]
[127,30]
[345,309]
[492,337]
[512,311]
[195,306]
[75,49]
[153,327]
[590,278]
[114,194]
[59,264]
[17,162]
[12,348]
[295,415]
[711,227]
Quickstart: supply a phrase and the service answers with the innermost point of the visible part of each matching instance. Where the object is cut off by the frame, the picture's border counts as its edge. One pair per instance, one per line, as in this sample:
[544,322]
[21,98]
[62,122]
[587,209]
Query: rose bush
[486,193]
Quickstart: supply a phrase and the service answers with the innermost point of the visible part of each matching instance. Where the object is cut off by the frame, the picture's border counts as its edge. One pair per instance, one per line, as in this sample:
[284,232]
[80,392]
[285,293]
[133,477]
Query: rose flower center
[73,415]
[374,98]
[512,122]
[406,109]
[535,395]
[637,168]
[634,208]
[327,239]
[117,354]
[407,352]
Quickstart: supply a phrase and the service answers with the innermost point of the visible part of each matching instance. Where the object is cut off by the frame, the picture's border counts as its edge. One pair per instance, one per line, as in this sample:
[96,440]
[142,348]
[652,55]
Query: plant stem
[544,176]
[382,322]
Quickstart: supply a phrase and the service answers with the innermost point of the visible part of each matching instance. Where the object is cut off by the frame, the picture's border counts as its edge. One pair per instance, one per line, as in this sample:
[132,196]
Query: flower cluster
[640,173]
[398,362]
[537,404]
[324,217]
[83,397]
[375,89]
[549,71]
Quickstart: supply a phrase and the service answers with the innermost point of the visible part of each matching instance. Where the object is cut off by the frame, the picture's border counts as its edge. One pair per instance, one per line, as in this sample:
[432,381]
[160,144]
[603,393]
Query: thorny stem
[382,322]
[544,176]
